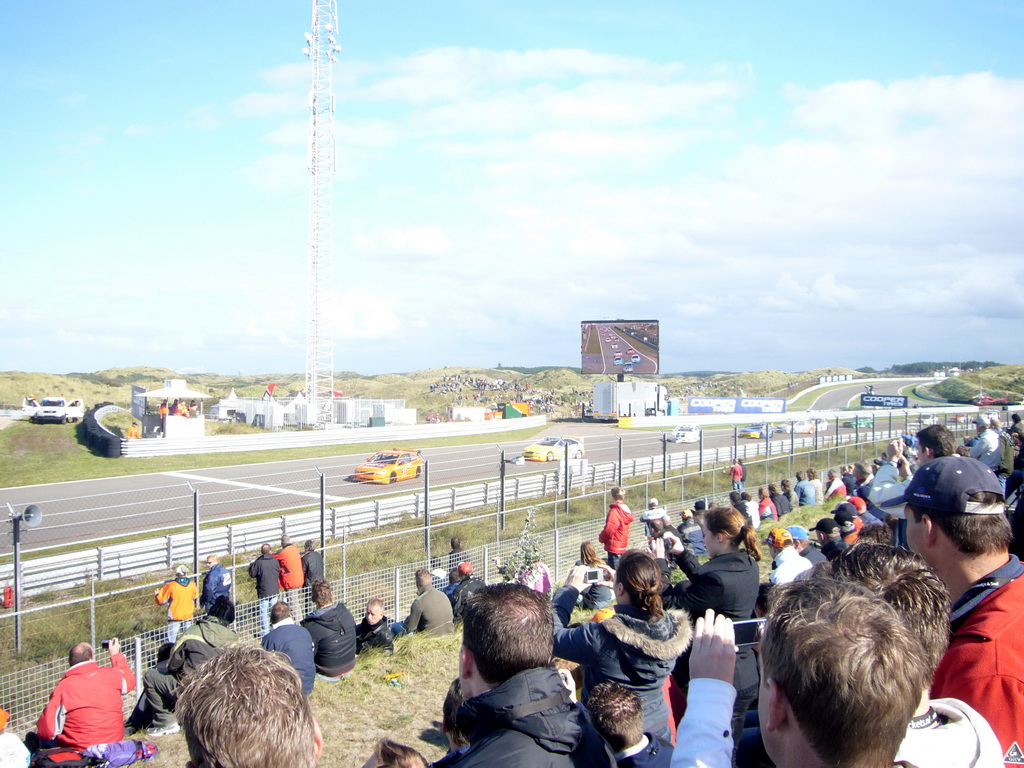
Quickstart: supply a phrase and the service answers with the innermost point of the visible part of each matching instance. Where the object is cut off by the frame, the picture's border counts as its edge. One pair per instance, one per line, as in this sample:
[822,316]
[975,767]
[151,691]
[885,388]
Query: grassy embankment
[355,714]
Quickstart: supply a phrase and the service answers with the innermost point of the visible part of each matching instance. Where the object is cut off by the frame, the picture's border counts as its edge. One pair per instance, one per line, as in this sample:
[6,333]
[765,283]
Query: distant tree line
[925,368]
[912,369]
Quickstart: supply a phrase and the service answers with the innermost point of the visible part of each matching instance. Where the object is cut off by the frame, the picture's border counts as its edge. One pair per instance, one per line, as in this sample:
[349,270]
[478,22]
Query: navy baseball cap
[944,484]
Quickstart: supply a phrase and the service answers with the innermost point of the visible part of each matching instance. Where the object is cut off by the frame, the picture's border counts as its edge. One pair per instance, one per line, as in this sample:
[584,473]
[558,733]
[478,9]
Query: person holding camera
[637,647]
[85,707]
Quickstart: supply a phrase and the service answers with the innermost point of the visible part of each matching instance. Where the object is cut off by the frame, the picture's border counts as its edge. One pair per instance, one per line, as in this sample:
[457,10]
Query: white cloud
[278,173]
[268,104]
[365,316]
[558,184]
[416,242]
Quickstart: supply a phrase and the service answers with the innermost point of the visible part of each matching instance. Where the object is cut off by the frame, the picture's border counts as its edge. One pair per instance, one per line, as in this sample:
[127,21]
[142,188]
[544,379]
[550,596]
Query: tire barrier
[100,440]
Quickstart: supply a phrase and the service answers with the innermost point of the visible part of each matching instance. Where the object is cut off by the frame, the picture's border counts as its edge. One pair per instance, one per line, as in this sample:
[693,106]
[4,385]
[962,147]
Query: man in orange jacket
[179,595]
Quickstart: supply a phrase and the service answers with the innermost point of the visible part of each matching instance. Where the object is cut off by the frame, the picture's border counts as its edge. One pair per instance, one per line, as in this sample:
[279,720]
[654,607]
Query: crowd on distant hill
[481,391]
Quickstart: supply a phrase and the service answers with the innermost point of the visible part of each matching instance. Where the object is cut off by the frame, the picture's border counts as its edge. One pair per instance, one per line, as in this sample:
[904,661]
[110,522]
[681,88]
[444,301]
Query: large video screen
[619,346]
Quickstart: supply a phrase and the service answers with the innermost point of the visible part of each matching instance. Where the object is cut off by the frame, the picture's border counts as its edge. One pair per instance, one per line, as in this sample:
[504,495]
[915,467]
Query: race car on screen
[390,466]
[553,448]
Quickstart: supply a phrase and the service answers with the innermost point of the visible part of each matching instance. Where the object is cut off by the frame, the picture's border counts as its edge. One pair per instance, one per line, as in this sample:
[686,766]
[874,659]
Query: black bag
[61,757]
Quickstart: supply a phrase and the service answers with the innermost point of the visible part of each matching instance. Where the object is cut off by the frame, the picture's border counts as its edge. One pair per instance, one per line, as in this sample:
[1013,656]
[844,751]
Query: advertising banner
[728,405]
[884,401]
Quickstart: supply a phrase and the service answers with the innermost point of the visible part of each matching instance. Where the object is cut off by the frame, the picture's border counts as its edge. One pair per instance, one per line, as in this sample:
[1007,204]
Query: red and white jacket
[85,707]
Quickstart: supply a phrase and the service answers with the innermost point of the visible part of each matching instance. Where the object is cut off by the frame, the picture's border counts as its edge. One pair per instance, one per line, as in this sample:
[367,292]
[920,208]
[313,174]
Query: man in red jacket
[85,708]
[615,535]
[291,567]
[956,521]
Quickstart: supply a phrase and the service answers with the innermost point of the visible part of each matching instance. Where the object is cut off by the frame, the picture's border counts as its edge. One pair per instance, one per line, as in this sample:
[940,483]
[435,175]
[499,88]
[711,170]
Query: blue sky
[783,187]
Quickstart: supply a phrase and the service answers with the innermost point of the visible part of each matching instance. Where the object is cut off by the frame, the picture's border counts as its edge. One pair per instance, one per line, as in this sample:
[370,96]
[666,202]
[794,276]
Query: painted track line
[253,486]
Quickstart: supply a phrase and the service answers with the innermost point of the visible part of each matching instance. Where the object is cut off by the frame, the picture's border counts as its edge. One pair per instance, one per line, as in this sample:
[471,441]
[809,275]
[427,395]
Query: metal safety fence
[154,522]
[380,560]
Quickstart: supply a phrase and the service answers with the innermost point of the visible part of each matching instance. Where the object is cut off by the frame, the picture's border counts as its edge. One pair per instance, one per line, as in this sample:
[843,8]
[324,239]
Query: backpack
[1005,454]
[61,757]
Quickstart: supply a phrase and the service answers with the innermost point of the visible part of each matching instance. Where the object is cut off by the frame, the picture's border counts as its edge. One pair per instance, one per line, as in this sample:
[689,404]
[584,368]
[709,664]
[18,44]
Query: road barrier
[314,438]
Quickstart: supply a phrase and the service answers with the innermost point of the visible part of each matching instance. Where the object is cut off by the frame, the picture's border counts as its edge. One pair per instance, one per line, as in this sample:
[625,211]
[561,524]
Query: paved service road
[96,510]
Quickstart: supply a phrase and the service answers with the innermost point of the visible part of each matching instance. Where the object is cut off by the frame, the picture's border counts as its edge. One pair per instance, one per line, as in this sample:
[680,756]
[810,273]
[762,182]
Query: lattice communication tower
[321,47]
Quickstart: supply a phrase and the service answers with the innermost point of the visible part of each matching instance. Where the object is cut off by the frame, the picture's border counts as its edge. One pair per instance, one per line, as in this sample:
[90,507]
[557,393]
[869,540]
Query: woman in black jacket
[727,583]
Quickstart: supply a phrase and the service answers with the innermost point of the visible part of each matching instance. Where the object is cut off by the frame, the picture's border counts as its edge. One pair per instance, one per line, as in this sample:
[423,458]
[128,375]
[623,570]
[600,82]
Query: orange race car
[390,466]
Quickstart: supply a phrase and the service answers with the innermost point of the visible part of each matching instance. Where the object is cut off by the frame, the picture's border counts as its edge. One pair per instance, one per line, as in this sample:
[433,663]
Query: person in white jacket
[833,655]
[985,447]
[894,475]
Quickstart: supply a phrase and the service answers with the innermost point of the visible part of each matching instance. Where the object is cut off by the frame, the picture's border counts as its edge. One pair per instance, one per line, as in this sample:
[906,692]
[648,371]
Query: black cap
[827,525]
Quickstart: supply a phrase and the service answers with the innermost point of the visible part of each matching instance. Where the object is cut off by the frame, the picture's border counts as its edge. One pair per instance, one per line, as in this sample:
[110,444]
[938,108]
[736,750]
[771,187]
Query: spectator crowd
[888,633]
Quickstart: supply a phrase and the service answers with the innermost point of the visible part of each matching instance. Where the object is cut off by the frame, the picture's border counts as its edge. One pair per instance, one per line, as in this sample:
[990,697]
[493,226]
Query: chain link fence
[371,553]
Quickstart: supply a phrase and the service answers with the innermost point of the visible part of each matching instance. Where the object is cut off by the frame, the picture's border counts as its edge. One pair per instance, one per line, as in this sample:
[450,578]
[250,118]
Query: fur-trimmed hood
[666,638]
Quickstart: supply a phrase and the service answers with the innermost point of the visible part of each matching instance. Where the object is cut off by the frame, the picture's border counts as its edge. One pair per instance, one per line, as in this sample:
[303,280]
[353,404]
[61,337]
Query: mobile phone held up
[748,632]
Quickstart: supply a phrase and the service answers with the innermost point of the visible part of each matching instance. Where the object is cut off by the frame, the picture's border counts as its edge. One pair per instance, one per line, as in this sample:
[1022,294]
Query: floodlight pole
[664,461]
[16,522]
[323,509]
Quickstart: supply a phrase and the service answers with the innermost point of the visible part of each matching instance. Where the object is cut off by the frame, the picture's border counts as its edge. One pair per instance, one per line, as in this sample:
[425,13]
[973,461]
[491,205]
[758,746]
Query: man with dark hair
[85,708]
[464,588]
[334,634]
[956,522]
[892,478]
[312,563]
[266,570]
[312,569]
[207,638]
[458,742]
[830,537]
[457,555]
[517,711]
[848,479]
[832,653]
[154,710]
[431,611]
[779,499]
[943,731]
[245,709]
[293,641]
[618,716]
